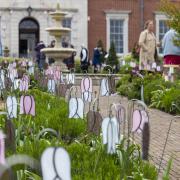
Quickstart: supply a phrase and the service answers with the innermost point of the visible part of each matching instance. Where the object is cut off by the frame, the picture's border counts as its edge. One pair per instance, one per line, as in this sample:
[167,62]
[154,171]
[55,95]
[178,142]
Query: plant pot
[6,52]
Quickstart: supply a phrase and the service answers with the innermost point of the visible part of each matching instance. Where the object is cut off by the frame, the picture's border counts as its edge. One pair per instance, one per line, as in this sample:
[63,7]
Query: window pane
[28,24]
[116,34]
[67,23]
[163,28]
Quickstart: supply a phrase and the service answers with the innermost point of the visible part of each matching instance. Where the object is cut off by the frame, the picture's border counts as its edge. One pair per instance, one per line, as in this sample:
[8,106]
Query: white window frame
[118,15]
[158,17]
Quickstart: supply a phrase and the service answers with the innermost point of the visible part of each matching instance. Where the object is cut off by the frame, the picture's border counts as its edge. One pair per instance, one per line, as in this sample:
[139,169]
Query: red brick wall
[97,22]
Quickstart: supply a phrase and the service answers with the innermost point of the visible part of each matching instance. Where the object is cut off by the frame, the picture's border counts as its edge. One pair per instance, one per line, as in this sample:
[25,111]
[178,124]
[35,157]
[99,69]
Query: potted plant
[6,51]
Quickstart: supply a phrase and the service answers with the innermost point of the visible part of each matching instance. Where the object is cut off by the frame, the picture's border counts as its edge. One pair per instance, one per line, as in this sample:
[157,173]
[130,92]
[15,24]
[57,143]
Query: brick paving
[159,125]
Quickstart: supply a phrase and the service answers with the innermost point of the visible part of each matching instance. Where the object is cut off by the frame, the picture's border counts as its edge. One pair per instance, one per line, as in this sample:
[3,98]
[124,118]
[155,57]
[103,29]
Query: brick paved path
[159,125]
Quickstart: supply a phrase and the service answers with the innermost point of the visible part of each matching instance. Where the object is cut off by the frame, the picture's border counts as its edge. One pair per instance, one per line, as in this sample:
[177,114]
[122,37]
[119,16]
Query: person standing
[147,43]
[97,59]
[171,52]
[84,58]
[71,61]
[40,55]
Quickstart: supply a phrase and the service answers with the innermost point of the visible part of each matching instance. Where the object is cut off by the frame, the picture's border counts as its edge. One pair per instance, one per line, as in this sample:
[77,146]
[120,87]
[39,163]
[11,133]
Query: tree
[112,58]
[172,10]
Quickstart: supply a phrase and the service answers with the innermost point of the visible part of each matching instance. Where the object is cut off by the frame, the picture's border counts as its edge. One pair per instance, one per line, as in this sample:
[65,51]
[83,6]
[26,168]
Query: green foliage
[135,51]
[77,66]
[130,87]
[157,93]
[112,58]
[131,164]
[151,83]
[9,59]
[172,11]
[167,100]
[125,69]
[167,172]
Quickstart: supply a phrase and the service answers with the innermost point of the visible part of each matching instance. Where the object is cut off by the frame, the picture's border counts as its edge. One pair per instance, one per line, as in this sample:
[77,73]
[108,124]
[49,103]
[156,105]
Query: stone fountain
[58,53]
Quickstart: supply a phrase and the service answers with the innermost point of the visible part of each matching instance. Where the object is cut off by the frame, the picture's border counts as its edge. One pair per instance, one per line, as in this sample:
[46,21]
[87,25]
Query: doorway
[28,37]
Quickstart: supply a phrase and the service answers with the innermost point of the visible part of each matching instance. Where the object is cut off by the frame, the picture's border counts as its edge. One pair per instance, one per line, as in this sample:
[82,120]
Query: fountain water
[58,53]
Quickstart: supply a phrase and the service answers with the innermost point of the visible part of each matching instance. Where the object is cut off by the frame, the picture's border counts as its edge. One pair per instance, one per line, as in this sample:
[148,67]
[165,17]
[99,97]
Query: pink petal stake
[145,119]
[49,71]
[136,120]
[24,83]
[2,148]
[86,85]
[27,105]
[57,75]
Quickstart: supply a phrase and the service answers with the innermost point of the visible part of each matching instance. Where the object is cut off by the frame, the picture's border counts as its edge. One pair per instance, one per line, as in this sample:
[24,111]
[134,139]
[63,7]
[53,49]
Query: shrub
[112,58]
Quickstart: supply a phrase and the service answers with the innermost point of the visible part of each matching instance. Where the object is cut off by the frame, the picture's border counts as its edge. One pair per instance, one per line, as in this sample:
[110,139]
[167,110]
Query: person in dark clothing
[97,59]
[40,57]
[70,61]
[52,45]
[65,43]
[84,57]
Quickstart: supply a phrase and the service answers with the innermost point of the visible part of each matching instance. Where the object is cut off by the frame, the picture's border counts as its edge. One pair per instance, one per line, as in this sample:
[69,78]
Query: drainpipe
[142,14]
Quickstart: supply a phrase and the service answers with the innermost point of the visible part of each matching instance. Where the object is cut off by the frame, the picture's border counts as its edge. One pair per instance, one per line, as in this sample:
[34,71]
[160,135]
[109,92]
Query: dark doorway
[28,37]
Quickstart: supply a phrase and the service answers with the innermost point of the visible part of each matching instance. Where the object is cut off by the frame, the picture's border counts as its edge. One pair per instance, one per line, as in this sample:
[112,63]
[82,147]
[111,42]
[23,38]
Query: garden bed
[89,159]
[158,93]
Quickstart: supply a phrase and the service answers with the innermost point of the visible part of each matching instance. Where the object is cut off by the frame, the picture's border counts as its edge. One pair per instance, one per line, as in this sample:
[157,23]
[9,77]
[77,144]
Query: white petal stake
[2,81]
[55,163]
[31,68]
[2,148]
[111,133]
[70,78]
[87,96]
[51,86]
[16,84]
[11,104]
[76,108]
[12,74]
[104,87]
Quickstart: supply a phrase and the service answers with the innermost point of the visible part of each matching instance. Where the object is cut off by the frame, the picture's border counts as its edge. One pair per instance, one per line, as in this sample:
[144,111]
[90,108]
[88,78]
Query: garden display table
[170,71]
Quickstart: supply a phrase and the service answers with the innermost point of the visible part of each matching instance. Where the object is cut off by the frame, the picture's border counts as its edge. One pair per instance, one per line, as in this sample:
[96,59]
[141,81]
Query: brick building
[122,22]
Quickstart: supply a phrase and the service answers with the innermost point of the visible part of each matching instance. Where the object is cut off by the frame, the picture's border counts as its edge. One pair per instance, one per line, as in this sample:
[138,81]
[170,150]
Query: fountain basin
[58,31]
[58,53]
[58,15]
